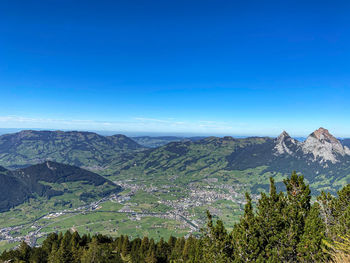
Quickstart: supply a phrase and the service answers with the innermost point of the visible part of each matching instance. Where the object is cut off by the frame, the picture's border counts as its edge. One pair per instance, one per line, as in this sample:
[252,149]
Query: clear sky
[212,67]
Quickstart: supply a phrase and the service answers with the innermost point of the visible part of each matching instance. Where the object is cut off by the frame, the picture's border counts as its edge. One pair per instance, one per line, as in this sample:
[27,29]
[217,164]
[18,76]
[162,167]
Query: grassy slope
[84,149]
[248,161]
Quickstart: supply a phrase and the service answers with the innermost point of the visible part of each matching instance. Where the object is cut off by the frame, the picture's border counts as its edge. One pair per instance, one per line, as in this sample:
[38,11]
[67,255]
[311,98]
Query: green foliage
[51,179]
[249,161]
[84,149]
[335,212]
[339,249]
[285,227]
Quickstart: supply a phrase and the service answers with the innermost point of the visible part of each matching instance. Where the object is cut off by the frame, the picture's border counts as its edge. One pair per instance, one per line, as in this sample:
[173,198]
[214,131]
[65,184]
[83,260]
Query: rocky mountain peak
[321,144]
[284,135]
[323,134]
[285,144]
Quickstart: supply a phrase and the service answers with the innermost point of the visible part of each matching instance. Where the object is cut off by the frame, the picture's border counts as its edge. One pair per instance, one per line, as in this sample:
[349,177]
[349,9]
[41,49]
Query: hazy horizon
[161,134]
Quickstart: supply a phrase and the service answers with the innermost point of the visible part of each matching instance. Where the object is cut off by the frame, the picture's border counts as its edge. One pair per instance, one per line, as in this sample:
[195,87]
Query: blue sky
[200,67]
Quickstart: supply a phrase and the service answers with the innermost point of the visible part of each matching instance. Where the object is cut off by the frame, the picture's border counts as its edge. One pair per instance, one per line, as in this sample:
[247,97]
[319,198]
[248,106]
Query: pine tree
[74,245]
[144,247]
[172,241]
[136,255]
[342,211]
[24,251]
[310,246]
[176,253]
[151,253]
[270,223]
[48,242]
[38,255]
[327,212]
[53,257]
[125,250]
[93,254]
[64,254]
[189,251]
[246,237]
[162,251]
[151,257]
[296,210]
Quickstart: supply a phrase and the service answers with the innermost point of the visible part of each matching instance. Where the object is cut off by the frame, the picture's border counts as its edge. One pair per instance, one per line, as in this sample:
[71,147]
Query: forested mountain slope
[321,158]
[50,179]
[83,149]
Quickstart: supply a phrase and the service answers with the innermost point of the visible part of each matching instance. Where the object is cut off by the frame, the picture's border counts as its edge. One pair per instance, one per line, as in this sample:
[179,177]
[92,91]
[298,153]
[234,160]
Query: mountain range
[54,180]
[41,180]
[84,149]
[323,159]
[157,141]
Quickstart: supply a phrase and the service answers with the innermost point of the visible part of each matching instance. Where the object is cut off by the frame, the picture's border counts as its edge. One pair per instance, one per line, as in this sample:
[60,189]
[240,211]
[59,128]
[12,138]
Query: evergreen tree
[296,210]
[64,254]
[270,223]
[327,211]
[48,243]
[246,237]
[38,255]
[172,242]
[93,254]
[176,253]
[24,252]
[217,244]
[75,248]
[189,251]
[284,228]
[53,257]
[310,246]
[136,255]
[162,251]
[125,250]
[144,248]
[342,211]
[151,253]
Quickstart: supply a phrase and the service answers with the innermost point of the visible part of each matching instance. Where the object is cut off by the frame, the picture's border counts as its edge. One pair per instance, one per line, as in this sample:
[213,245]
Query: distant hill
[323,160]
[83,149]
[47,180]
[346,142]
[12,190]
[157,141]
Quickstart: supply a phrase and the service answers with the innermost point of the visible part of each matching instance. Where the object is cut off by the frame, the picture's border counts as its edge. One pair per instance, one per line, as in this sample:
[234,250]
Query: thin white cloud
[137,124]
[133,124]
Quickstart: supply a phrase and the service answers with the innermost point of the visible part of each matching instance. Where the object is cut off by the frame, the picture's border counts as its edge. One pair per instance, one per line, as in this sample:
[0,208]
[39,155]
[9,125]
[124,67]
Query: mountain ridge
[320,144]
[84,149]
[264,156]
[38,180]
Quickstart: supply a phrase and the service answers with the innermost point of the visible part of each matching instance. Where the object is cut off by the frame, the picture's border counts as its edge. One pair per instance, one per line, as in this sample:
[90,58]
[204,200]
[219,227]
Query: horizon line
[131,133]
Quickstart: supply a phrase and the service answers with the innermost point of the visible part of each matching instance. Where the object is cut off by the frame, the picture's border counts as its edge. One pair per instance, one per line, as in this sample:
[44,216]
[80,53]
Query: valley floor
[142,209]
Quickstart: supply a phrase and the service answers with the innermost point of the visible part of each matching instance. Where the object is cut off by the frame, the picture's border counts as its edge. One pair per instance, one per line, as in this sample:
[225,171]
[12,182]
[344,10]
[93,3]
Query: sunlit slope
[250,161]
[50,179]
[83,149]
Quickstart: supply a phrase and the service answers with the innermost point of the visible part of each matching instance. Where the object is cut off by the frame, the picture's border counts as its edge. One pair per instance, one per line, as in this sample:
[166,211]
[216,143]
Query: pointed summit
[283,135]
[285,144]
[321,144]
[323,134]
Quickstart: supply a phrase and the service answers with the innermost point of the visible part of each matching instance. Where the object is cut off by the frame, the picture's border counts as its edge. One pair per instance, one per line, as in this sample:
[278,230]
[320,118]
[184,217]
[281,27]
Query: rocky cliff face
[324,147]
[320,146]
[285,144]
